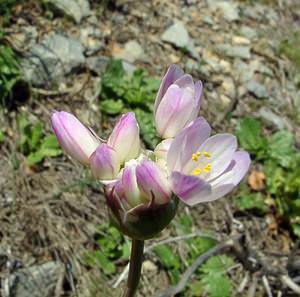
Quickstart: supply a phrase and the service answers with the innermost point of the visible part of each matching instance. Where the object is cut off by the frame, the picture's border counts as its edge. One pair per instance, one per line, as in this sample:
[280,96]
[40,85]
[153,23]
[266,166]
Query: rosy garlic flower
[204,168]
[140,202]
[75,138]
[105,159]
[136,188]
[177,102]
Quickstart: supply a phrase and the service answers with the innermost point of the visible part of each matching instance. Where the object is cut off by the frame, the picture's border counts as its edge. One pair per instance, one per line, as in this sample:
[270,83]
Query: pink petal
[185,81]
[172,74]
[174,111]
[125,137]
[198,95]
[186,143]
[225,183]
[75,138]
[222,148]
[152,182]
[190,189]
[104,163]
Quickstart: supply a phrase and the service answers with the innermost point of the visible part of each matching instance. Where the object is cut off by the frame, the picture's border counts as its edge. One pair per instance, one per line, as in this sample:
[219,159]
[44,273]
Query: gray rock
[91,39]
[229,10]
[75,9]
[97,64]
[178,36]
[52,59]
[132,52]
[128,67]
[36,281]
[272,118]
[236,51]
[242,71]
[257,89]
[248,32]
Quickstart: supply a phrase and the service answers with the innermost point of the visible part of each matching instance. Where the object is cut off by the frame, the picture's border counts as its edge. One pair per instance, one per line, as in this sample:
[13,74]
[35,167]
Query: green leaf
[195,289]
[183,224]
[217,264]
[98,259]
[248,201]
[35,158]
[217,285]
[167,257]
[50,142]
[1,136]
[296,229]
[147,128]
[249,132]
[281,148]
[111,107]
[36,135]
[198,246]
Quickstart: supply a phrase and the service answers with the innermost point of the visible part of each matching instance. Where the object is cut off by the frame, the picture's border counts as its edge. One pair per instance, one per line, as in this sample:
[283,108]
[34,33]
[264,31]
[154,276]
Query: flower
[125,137]
[75,138]
[177,102]
[81,143]
[105,163]
[140,200]
[204,168]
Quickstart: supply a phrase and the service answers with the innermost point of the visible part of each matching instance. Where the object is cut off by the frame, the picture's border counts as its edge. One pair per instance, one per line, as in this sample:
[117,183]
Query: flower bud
[104,163]
[153,182]
[75,138]
[131,190]
[125,138]
[177,102]
[162,149]
[143,221]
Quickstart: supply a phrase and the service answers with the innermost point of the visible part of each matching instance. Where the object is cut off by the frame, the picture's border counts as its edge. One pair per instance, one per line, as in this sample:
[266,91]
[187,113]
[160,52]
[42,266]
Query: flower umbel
[142,187]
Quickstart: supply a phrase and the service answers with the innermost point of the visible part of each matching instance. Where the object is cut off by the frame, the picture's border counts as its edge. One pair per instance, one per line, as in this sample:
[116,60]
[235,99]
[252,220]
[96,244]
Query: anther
[207,154]
[197,171]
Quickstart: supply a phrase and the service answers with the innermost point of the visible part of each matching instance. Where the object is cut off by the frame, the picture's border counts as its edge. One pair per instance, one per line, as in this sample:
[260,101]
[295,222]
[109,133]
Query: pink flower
[204,168]
[105,160]
[177,102]
[140,200]
[75,138]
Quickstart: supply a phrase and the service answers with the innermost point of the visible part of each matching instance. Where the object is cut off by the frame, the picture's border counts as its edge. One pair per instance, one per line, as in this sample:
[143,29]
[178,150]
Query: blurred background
[99,59]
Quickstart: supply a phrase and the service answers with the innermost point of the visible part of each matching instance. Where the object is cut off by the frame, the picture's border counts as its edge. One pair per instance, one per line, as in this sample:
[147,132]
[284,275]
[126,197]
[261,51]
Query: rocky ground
[49,214]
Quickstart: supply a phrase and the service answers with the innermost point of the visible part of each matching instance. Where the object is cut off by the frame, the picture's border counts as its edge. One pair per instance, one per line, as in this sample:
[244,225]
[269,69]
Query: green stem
[136,261]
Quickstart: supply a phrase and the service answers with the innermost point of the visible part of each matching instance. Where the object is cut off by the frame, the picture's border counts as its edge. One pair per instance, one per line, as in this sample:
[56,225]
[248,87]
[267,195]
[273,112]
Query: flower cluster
[142,187]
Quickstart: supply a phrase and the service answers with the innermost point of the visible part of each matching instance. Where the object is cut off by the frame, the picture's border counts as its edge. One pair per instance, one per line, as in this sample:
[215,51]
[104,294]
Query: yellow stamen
[194,157]
[197,171]
[207,154]
[207,168]
[198,154]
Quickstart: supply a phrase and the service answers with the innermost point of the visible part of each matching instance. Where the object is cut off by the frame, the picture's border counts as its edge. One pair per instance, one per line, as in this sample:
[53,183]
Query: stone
[132,52]
[75,9]
[272,118]
[258,66]
[228,87]
[248,32]
[52,59]
[243,72]
[35,281]
[178,36]
[229,10]
[236,51]
[91,39]
[97,64]
[257,89]
[239,40]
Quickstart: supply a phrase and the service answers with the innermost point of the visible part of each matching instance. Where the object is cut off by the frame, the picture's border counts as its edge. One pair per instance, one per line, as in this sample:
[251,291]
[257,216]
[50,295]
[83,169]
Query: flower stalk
[135,268]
